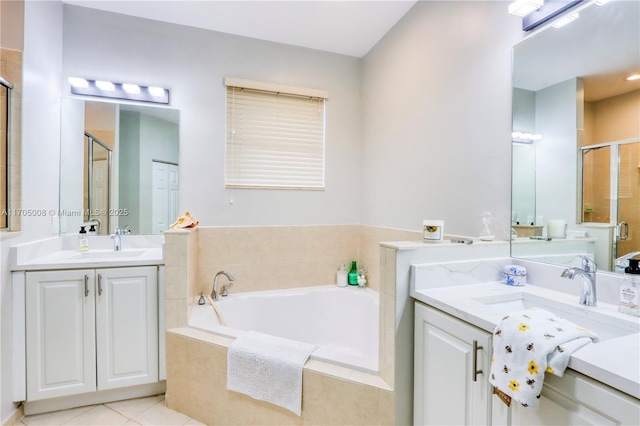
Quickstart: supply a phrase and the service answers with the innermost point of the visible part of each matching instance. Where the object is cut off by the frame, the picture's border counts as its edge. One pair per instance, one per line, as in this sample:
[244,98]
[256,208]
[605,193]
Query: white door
[445,392]
[165,196]
[60,341]
[173,212]
[127,326]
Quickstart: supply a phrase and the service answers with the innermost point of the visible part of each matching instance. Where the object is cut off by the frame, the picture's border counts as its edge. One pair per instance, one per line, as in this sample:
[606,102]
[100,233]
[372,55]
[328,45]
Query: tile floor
[150,411]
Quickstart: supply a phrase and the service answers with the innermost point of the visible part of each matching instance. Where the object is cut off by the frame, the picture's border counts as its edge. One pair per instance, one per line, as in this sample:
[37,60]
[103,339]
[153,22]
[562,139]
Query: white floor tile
[54,418]
[99,415]
[161,415]
[131,408]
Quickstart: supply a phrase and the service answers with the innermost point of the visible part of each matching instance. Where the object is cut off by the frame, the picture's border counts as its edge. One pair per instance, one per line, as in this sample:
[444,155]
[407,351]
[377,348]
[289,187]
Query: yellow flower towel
[528,343]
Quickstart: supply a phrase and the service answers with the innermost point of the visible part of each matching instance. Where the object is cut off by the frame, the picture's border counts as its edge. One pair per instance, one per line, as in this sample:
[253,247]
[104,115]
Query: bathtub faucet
[214,293]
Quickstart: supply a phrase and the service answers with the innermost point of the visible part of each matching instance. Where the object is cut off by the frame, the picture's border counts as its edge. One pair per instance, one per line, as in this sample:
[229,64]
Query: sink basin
[601,323]
[108,254]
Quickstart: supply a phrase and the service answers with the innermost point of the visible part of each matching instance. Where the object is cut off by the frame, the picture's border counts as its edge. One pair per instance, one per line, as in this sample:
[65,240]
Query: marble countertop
[615,360]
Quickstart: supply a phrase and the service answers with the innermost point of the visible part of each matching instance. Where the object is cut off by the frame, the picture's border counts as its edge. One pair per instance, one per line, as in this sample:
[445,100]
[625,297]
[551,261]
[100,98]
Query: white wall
[437,118]
[40,155]
[192,63]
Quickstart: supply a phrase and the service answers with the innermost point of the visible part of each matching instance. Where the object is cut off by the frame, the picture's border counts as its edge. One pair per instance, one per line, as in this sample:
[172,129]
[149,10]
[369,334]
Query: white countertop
[614,361]
[60,253]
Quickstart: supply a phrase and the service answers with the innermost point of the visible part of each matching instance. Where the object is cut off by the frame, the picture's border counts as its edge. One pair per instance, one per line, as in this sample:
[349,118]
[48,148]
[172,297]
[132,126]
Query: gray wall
[192,63]
[40,157]
[437,122]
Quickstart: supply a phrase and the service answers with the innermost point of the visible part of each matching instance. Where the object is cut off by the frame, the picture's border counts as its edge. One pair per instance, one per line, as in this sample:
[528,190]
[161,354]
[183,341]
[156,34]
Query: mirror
[118,167]
[583,176]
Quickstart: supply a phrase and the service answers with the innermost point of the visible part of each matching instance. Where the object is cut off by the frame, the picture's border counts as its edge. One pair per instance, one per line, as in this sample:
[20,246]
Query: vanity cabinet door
[445,392]
[60,333]
[574,399]
[126,326]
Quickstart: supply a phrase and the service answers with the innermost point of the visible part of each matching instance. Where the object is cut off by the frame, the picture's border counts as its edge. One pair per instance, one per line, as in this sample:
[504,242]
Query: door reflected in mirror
[570,87]
[118,167]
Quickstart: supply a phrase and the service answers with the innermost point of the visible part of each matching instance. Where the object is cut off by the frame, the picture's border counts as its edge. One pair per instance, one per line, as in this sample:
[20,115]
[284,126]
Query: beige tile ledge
[321,367]
[180,231]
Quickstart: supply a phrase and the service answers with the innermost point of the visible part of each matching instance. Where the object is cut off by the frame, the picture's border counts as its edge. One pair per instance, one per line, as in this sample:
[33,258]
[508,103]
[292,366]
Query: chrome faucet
[214,293]
[587,282]
[623,261]
[117,241]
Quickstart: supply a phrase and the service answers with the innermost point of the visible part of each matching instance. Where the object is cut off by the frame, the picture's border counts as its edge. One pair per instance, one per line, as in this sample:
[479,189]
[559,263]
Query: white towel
[528,343]
[268,368]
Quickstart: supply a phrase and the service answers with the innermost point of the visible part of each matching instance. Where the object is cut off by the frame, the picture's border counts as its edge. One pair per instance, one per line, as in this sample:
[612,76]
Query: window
[275,136]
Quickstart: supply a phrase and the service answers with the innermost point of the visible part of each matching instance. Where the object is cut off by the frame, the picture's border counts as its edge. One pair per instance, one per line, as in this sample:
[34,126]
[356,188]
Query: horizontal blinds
[274,140]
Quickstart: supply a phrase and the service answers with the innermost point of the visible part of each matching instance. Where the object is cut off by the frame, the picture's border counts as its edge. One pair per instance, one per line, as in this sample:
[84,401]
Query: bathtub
[342,322]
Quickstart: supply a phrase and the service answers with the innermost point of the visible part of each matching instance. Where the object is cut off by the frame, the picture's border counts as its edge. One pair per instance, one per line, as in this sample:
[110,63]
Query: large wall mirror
[582,178]
[118,167]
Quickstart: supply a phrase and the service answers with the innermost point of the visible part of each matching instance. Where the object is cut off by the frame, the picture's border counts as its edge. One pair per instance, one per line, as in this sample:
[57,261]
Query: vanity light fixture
[564,20]
[105,85]
[519,137]
[633,77]
[131,88]
[78,82]
[127,91]
[524,7]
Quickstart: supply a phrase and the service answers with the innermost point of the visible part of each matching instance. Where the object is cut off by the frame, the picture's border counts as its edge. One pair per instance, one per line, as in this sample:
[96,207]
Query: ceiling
[340,26]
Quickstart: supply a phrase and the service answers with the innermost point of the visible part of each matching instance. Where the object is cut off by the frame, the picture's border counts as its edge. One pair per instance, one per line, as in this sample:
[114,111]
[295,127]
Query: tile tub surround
[331,395]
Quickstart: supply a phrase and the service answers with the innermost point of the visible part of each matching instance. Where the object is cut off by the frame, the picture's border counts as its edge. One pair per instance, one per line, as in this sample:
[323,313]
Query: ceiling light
[131,88]
[128,91]
[156,91]
[525,7]
[633,77]
[105,85]
[78,82]
[564,20]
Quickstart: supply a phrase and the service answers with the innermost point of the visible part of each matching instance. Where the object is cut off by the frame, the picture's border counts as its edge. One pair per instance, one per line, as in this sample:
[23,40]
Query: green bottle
[353,274]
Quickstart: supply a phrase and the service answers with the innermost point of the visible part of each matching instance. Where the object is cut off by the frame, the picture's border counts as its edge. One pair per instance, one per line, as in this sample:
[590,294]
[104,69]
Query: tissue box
[515,275]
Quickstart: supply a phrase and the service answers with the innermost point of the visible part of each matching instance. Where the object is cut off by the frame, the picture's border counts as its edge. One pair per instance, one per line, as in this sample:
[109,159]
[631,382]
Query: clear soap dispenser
[83,240]
[342,276]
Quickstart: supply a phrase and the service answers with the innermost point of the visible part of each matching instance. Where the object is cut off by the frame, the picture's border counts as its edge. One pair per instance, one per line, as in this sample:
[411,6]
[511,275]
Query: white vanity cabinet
[90,330]
[445,392]
[448,389]
[572,399]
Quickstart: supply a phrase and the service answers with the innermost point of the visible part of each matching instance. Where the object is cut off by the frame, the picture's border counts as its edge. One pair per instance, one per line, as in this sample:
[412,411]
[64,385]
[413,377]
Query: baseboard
[15,417]
[92,398]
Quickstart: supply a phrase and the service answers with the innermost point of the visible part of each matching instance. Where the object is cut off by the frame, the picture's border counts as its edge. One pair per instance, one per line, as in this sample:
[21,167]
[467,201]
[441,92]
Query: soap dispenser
[84,241]
[630,288]
[342,276]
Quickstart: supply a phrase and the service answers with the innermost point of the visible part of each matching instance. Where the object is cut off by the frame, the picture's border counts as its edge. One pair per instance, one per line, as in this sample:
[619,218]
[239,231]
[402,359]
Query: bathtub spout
[214,293]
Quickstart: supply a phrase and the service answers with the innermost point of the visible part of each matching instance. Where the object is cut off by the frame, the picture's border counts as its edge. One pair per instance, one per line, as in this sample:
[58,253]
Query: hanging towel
[268,368]
[528,343]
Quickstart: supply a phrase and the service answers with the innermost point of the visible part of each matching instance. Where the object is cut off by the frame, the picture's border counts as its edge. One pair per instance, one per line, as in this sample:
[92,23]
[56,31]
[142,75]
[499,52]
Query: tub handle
[475,372]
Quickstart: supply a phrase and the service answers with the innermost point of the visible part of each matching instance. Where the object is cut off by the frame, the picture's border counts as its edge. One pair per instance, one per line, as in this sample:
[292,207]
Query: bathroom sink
[607,326]
[108,254]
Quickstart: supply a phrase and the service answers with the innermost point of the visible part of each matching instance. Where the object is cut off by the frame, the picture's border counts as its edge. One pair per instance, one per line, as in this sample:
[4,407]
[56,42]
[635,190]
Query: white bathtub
[342,322]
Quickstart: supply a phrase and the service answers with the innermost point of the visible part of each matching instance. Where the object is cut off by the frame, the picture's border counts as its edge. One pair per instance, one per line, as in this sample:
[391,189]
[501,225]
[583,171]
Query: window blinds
[274,139]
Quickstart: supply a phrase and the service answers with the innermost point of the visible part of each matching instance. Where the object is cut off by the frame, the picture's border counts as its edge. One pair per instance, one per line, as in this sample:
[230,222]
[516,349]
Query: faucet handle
[588,264]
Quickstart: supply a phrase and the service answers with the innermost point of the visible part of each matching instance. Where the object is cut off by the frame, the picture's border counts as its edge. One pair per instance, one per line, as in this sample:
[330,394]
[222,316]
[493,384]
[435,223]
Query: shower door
[611,192]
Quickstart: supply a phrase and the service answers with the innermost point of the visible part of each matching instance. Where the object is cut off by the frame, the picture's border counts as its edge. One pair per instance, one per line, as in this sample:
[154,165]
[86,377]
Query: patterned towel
[528,343]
